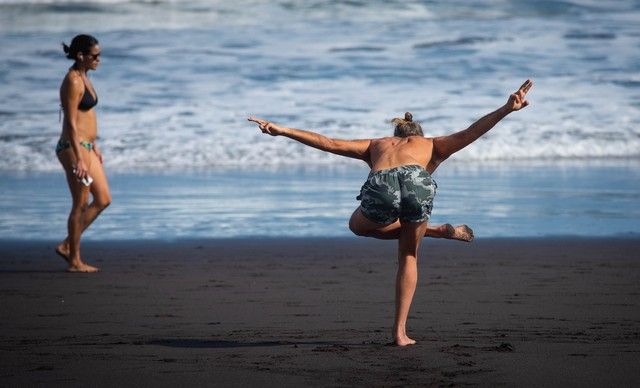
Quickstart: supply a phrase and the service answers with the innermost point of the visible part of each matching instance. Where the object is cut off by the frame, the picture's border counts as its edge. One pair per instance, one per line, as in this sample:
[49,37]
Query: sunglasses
[93,56]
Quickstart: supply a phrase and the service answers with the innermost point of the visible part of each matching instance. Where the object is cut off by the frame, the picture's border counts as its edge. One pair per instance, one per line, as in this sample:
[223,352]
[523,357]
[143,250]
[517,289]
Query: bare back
[389,152]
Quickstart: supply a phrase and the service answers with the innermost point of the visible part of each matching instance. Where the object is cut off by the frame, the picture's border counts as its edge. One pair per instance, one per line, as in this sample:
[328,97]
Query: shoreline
[247,238]
[510,201]
[286,312]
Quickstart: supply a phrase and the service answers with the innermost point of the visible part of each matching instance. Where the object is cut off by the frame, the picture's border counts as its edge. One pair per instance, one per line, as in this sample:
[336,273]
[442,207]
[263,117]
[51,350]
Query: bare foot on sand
[460,232]
[403,340]
[62,250]
[81,267]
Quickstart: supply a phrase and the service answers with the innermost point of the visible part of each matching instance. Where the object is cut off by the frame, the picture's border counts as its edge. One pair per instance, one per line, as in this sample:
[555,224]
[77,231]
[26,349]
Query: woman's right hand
[267,127]
[80,170]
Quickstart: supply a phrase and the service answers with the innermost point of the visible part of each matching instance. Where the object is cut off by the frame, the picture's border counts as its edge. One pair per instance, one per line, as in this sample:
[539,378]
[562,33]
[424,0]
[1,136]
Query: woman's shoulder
[73,81]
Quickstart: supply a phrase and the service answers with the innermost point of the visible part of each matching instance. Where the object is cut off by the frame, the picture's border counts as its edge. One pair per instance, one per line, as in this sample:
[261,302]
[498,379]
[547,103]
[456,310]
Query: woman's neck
[79,69]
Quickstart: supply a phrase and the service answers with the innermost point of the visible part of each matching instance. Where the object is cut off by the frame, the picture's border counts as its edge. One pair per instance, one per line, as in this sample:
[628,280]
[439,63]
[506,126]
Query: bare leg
[101,199]
[407,277]
[81,215]
[362,226]
[79,195]
[89,214]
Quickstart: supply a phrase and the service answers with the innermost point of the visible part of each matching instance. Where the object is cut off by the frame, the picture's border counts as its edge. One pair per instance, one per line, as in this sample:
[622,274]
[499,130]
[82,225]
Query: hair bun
[408,116]
[65,48]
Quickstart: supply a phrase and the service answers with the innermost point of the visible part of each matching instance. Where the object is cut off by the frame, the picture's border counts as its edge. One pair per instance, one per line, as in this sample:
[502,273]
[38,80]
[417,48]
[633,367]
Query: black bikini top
[87,101]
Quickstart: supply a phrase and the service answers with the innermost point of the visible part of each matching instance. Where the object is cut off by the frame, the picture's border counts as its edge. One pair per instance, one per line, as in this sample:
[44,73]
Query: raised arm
[357,149]
[445,146]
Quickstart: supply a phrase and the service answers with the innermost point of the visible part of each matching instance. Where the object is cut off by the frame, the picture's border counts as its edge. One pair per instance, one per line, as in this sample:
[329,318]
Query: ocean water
[178,78]
[496,200]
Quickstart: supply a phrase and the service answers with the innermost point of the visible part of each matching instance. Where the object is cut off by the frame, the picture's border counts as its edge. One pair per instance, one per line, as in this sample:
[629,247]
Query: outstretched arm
[445,146]
[357,149]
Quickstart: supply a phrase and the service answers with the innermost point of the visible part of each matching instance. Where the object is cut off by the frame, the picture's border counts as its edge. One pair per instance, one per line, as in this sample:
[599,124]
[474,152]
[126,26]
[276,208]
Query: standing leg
[411,234]
[70,248]
[101,199]
[79,196]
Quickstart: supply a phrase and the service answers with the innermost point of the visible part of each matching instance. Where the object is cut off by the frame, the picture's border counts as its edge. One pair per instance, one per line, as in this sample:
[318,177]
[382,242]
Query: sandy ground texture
[318,312]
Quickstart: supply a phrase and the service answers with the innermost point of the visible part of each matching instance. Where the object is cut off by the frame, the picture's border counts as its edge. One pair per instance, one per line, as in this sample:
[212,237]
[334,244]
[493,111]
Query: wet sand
[292,312]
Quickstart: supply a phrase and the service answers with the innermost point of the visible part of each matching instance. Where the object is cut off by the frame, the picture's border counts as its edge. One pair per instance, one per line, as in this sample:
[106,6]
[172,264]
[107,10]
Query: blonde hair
[406,127]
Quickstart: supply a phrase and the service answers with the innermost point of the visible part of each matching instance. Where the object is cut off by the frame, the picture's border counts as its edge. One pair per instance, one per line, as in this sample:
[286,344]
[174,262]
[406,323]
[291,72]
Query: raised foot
[62,250]
[460,232]
[82,267]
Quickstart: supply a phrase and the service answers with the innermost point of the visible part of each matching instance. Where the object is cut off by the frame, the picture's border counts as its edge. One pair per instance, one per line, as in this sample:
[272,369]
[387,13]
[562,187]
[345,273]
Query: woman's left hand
[517,100]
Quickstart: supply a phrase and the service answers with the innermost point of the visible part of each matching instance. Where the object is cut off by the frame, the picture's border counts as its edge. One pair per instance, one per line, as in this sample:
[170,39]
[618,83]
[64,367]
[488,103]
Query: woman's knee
[358,224]
[80,201]
[358,232]
[102,201]
[356,228]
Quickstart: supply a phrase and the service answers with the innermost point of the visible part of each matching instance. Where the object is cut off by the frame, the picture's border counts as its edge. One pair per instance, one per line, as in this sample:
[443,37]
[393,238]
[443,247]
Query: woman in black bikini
[77,150]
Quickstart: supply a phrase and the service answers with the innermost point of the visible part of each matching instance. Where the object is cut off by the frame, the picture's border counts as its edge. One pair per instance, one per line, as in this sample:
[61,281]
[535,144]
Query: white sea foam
[178,79]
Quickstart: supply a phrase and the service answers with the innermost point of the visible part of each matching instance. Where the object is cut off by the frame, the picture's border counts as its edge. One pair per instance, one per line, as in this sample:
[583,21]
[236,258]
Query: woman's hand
[517,100]
[267,127]
[80,169]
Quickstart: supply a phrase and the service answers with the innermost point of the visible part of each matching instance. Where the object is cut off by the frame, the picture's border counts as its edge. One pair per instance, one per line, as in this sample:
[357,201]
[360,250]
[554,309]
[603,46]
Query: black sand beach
[292,312]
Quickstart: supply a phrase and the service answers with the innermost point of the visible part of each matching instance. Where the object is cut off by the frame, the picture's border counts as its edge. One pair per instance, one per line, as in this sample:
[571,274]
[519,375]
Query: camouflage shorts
[404,192]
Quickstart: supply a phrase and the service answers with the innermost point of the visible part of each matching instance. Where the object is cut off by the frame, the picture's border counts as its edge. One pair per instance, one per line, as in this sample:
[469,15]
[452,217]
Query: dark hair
[406,127]
[79,44]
